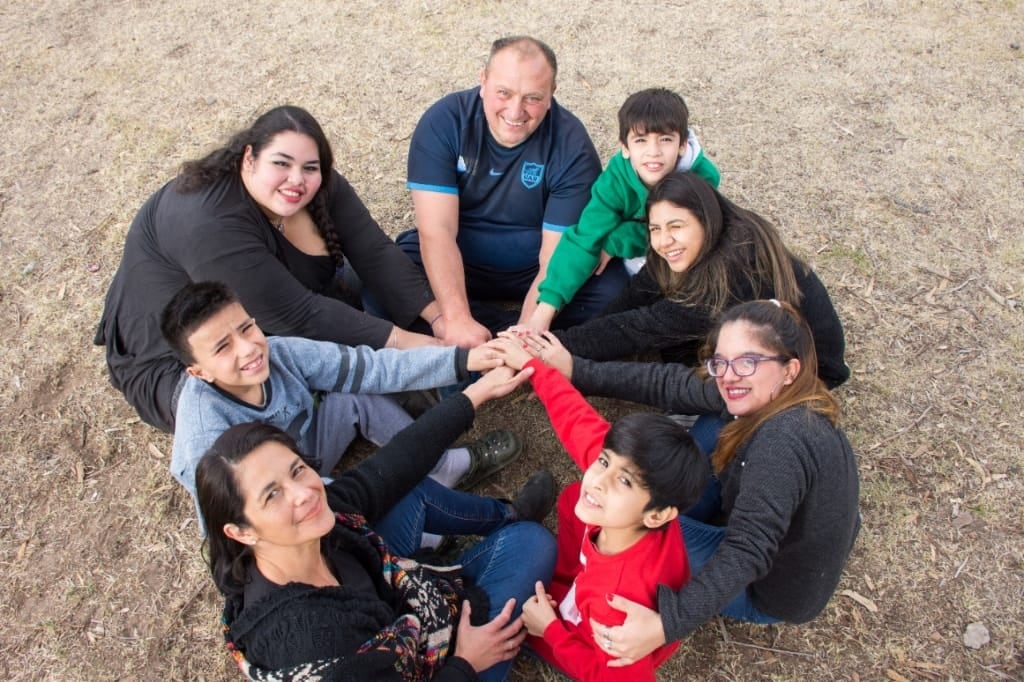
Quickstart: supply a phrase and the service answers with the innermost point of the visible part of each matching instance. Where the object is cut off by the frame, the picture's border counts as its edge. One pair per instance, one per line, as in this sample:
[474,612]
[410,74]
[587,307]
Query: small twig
[915,208]
[845,130]
[932,271]
[961,286]
[190,601]
[992,669]
[721,628]
[960,568]
[901,431]
[771,649]
[1001,300]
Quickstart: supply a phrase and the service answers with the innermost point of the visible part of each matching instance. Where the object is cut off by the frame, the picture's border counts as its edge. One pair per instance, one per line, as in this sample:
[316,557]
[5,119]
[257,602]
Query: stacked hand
[464,332]
[539,611]
[517,345]
[498,382]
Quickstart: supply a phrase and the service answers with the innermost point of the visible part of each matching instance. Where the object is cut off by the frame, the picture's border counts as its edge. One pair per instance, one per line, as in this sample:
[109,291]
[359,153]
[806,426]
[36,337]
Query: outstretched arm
[437,220]
[549,240]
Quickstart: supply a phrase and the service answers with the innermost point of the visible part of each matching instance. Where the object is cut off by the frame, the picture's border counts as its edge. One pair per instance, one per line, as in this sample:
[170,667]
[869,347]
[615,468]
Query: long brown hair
[779,328]
[738,245]
[227,160]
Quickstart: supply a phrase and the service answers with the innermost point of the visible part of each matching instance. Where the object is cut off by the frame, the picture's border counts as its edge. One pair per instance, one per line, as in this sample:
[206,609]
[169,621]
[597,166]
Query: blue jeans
[432,508]
[506,565]
[702,541]
[483,286]
[705,432]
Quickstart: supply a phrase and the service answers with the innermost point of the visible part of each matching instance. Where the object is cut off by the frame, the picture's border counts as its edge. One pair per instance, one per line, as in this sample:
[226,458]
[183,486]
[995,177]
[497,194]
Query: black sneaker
[489,455]
[536,498]
[416,402]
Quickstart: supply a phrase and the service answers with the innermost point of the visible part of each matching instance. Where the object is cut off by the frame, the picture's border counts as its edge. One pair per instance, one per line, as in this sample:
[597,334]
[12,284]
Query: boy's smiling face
[613,495]
[653,155]
[230,351]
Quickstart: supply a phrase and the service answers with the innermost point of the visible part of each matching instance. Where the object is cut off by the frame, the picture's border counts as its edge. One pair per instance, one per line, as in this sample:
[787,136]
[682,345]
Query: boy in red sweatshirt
[617,528]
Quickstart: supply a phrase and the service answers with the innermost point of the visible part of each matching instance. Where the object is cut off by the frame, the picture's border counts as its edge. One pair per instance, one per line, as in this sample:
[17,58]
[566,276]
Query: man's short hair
[189,309]
[527,47]
[654,110]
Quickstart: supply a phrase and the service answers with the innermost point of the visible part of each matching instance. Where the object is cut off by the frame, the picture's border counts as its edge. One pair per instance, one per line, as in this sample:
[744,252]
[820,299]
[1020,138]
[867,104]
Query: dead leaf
[893,675]
[963,519]
[860,599]
[22,550]
[155,451]
[79,472]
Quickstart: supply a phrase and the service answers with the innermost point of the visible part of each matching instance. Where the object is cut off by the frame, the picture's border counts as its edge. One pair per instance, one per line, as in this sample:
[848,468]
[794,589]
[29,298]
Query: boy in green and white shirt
[656,140]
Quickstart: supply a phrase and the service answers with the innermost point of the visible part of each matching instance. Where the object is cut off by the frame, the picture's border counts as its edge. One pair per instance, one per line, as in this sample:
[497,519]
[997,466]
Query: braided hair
[227,160]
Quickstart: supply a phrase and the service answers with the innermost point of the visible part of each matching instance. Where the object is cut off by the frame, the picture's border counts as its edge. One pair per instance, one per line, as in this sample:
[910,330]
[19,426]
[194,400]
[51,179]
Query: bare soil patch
[883,137]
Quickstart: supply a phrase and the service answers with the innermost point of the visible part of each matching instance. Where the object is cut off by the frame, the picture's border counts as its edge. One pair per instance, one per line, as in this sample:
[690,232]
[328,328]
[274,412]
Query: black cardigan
[641,319]
[324,628]
[790,493]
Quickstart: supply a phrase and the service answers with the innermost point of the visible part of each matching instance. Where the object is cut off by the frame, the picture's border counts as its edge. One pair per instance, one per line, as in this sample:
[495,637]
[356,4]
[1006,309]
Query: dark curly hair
[227,160]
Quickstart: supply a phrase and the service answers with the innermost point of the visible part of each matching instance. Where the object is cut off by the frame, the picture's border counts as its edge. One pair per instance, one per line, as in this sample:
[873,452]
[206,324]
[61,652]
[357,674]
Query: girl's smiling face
[675,234]
[285,176]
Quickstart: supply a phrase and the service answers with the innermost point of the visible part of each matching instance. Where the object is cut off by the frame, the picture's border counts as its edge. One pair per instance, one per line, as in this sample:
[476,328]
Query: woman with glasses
[788,512]
[706,254]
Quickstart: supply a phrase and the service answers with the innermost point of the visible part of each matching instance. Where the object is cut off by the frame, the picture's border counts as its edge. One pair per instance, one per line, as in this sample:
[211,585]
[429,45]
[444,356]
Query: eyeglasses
[743,366]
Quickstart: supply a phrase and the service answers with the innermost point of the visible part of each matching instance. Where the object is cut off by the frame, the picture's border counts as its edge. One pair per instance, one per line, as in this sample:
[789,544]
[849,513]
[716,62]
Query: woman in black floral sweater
[312,590]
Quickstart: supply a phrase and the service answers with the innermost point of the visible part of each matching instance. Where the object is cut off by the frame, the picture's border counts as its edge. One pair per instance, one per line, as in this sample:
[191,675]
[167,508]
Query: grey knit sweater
[790,496]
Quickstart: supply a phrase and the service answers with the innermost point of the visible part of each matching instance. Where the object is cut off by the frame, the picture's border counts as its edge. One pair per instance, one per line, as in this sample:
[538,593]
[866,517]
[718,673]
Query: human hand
[464,332]
[512,350]
[550,350]
[602,262]
[484,358]
[539,611]
[485,645]
[497,383]
[640,634]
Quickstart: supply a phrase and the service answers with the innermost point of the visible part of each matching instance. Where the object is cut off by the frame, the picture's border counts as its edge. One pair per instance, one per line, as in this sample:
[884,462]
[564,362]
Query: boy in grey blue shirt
[318,392]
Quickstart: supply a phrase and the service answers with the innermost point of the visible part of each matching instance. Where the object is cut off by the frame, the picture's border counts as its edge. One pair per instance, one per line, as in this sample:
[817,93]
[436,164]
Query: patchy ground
[883,137]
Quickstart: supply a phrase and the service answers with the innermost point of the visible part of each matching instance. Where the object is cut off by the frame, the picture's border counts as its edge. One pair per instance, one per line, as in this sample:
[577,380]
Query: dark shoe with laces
[489,455]
[536,498]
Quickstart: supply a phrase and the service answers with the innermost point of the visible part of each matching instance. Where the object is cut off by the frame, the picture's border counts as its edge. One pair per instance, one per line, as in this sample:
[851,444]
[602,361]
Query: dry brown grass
[883,137]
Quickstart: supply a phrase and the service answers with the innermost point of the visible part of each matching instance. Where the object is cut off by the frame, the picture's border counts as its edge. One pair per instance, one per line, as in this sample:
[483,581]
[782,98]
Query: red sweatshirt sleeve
[578,425]
[580,658]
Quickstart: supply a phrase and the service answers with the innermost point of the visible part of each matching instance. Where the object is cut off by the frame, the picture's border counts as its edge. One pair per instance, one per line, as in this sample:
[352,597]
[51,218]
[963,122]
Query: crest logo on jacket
[531,174]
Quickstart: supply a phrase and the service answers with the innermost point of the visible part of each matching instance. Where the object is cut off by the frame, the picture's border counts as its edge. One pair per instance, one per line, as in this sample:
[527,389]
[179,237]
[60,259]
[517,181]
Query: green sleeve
[704,167]
[613,202]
